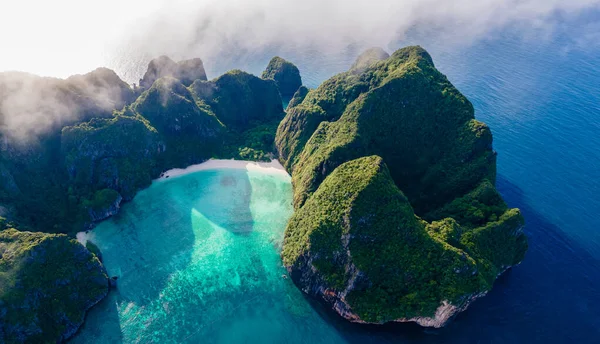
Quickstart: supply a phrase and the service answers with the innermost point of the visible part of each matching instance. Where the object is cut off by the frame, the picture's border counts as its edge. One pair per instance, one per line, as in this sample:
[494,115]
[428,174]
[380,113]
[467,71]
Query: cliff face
[285,74]
[105,204]
[365,227]
[186,71]
[118,153]
[190,130]
[240,100]
[47,283]
[33,111]
[298,97]
[33,106]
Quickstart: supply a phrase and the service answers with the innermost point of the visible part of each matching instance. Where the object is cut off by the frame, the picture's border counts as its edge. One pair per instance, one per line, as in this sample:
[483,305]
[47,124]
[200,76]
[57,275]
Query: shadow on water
[106,324]
[551,297]
[147,258]
[153,237]
[231,211]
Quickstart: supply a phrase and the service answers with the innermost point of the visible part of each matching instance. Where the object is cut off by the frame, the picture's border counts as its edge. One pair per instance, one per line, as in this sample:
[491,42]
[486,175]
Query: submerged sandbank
[273,167]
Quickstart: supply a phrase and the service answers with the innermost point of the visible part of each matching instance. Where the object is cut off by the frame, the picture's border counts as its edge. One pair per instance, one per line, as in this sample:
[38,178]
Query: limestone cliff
[47,283]
[285,74]
[186,71]
[397,217]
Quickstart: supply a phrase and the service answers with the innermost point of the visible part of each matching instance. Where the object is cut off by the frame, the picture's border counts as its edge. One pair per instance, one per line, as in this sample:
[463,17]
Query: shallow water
[197,258]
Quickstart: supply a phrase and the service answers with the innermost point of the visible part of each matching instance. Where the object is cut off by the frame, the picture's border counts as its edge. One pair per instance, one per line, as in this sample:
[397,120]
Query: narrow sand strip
[273,167]
[83,237]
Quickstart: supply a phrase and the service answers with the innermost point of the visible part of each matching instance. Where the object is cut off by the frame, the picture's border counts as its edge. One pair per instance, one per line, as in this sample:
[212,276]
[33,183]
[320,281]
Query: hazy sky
[64,37]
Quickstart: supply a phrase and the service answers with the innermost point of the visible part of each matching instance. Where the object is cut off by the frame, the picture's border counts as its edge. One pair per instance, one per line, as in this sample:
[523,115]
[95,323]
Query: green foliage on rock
[255,144]
[103,199]
[168,126]
[31,164]
[190,131]
[286,76]
[360,232]
[47,282]
[118,153]
[412,117]
[239,100]
[394,241]
[298,97]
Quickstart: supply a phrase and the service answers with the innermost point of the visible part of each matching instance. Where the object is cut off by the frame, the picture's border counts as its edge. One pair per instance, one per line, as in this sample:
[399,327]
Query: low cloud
[224,32]
[31,105]
[65,37]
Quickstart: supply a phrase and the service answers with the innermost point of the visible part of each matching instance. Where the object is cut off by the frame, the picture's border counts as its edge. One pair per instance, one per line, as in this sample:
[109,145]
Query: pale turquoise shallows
[197,258]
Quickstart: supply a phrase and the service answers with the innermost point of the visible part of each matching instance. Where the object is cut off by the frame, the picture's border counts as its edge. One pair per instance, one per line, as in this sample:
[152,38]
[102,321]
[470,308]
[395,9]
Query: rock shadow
[102,323]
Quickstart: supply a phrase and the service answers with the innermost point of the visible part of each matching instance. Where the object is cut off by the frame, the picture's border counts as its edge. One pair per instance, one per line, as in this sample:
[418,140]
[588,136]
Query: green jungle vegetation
[394,191]
[285,74]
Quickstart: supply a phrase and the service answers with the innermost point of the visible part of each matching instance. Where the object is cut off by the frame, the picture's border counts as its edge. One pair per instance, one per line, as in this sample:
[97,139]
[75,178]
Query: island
[396,215]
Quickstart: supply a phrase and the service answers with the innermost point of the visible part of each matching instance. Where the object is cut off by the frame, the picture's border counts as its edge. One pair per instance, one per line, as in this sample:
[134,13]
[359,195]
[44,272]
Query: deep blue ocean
[541,98]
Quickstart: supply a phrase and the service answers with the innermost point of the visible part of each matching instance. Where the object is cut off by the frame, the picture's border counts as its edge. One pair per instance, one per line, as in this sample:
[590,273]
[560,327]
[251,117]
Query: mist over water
[66,37]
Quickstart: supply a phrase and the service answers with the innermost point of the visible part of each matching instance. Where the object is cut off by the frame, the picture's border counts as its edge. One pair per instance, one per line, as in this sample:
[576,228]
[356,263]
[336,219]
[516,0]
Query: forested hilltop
[397,217]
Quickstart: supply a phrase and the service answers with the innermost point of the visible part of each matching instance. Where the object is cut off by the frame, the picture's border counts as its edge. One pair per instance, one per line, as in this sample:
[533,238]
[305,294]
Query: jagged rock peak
[369,57]
[187,71]
[286,76]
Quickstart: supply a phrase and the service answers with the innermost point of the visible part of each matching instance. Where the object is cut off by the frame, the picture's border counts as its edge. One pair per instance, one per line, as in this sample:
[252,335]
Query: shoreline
[273,167]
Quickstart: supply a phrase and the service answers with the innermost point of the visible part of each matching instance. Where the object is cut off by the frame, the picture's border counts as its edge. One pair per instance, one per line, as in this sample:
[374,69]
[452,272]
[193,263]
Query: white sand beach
[273,167]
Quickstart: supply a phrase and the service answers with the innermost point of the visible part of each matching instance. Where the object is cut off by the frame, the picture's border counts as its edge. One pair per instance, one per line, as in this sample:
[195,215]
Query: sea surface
[198,254]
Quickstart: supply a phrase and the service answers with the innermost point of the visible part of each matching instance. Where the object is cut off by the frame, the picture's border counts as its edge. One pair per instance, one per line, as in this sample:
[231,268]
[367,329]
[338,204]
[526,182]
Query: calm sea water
[541,97]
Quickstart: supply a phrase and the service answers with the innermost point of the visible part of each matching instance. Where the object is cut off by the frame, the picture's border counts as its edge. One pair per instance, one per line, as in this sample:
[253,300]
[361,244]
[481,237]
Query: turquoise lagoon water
[197,258]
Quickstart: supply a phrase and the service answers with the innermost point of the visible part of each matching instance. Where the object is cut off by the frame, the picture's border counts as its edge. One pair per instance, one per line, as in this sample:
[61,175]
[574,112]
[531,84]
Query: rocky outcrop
[190,71]
[48,283]
[298,97]
[32,107]
[103,90]
[402,109]
[172,110]
[118,153]
[286,76]
[105,204]
[239,99]
[368,58]
[186,71]
[397,217]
